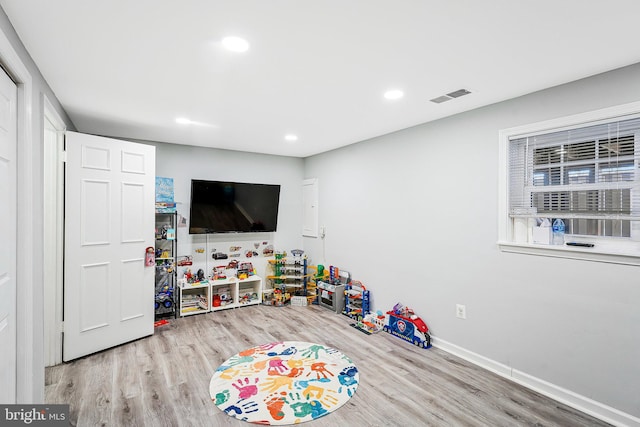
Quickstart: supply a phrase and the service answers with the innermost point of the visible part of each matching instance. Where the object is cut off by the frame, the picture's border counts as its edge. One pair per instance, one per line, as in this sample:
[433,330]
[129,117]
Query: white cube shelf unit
[194,298]
[221,294]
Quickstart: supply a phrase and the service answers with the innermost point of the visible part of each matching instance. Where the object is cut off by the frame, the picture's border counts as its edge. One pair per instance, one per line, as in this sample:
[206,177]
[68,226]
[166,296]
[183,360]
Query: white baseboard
[584,404]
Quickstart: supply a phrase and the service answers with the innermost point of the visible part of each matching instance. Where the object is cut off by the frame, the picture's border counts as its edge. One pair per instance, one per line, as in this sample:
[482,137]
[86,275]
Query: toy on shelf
[193,303]
[245,269]
[404,323]
[288,277]
[164,297]
[222,296]
[321,273]
[216,301]
[219,272]
[232,268]
[357,300]
[247,298]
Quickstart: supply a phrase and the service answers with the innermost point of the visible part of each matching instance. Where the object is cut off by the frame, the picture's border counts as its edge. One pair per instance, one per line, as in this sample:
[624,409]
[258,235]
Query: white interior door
[109,222]
[8,229]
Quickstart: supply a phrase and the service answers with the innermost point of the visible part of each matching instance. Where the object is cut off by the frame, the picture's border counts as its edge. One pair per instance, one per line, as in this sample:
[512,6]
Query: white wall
[183,163]
[413,215]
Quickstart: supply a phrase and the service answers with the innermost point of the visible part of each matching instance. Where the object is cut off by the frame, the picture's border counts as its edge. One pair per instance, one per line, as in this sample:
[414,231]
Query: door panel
[95,220]
[95,279]
[133,216]
[133,270]
[109,223]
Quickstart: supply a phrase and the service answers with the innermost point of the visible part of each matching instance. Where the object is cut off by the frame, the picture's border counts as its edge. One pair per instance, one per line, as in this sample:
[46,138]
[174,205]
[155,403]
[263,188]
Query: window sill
[631,256]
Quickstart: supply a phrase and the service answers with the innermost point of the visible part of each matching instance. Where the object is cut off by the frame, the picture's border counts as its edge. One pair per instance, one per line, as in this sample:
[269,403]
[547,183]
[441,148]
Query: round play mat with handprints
[284,383]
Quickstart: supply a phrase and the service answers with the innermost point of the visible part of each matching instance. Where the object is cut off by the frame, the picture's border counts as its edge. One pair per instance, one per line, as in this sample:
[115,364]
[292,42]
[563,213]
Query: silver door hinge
[63,156]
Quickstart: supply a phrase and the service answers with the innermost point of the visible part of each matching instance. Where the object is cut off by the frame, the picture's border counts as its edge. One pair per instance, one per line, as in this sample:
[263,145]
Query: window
[585,172]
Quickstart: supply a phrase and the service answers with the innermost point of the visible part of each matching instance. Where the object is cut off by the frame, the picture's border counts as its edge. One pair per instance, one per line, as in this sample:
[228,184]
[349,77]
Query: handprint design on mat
[286,352]
[242,408]
[269,346]
[303,407]
[258,366]
[296,366]
[248,352]
[326,396]
[276,366]
[320,369]
[238,371]
[275,402]
[312,352]
[237,360]
[245,388]
[303,384]
[271,384]
[347,378]
[221,397]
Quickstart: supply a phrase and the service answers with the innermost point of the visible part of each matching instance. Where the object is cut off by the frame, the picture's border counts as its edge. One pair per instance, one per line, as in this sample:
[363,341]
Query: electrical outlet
[461,311]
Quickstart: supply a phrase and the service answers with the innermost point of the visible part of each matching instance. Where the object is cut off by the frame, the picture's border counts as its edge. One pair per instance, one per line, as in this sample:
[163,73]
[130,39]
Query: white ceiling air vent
[451,95]
[441,99]
[458,93]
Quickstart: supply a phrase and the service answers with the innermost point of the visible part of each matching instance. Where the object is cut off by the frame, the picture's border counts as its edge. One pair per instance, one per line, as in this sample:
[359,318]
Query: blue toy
[164,297]
[404,323]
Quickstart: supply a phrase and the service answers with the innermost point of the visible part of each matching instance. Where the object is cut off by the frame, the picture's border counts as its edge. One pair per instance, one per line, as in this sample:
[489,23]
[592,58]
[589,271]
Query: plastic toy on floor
[357,300]
[371,323]
[404,323]
[164,298]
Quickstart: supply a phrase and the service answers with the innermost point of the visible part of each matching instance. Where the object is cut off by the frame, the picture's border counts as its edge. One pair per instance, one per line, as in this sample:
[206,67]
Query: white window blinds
[587,176]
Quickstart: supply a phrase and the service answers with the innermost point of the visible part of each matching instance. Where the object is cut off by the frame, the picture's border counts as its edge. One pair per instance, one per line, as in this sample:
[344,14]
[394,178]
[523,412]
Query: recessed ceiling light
[291,137]
[183,121]
[394,94]
[235,44]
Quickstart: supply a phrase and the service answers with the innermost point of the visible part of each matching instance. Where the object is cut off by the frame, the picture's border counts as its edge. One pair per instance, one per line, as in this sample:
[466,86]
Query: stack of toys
[289,279]
[357,300]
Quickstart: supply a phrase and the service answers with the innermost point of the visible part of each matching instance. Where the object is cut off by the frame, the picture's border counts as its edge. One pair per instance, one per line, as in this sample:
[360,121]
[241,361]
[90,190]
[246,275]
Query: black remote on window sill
[583,245]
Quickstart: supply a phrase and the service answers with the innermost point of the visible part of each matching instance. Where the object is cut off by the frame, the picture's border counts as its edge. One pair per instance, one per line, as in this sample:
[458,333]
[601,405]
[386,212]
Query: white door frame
[53,147]
[29,309]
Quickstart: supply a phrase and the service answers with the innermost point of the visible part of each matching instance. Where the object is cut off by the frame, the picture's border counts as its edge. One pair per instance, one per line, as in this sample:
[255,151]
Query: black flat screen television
[233,207]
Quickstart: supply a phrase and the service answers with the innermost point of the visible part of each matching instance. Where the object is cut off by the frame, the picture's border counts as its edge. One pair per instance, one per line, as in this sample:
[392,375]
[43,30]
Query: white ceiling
[317,69]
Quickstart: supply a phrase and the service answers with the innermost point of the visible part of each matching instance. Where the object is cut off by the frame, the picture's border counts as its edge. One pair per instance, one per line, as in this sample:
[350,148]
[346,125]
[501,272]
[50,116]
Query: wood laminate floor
[163,380]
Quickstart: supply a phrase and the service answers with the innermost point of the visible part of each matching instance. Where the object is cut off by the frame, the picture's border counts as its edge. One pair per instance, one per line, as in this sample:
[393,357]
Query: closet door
[109,223]
[310,207]
[8,248]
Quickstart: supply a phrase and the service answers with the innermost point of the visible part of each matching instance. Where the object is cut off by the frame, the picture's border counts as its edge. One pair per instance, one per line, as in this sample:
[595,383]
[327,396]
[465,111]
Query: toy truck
[404,323]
